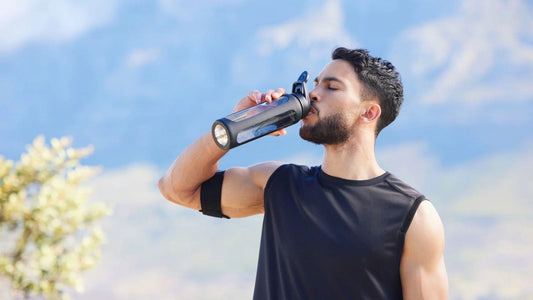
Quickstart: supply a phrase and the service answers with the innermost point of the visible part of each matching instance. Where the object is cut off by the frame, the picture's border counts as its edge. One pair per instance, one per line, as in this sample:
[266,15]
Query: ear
[371,112]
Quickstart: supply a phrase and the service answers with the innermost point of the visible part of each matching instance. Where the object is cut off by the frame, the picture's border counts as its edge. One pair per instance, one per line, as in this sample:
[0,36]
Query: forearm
[197,163]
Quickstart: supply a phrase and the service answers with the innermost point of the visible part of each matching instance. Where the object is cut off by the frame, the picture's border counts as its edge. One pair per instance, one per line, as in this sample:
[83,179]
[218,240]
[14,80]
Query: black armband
[211,195]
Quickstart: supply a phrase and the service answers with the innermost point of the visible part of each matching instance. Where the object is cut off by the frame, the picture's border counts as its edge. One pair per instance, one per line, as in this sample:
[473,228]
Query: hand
[255,97]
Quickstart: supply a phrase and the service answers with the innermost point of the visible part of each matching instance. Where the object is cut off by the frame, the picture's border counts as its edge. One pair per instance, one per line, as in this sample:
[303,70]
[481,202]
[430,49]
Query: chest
[337,226]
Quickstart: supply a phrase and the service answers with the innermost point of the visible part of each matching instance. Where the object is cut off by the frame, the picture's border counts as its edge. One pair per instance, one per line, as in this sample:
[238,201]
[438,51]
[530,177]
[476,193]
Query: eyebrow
[329,78]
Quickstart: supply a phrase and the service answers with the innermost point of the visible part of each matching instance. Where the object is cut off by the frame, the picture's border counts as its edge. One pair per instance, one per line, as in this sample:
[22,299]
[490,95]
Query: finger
[267,96]
[278,93]
[280,132]
[254,96]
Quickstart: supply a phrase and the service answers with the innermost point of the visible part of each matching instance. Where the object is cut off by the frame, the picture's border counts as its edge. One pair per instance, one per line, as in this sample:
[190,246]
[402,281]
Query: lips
[313,110]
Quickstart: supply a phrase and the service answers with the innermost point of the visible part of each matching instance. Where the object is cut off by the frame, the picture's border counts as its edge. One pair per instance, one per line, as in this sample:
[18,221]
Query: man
[344,230]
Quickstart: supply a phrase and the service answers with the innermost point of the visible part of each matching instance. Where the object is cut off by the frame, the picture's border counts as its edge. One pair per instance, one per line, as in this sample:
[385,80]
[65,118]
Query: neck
[354,160]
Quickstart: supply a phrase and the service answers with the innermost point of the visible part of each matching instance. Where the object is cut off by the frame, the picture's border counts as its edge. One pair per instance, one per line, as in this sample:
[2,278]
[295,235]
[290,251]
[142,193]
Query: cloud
[135,183]
[474,188]
[320,26]
[501,187]
[190,10]
[303,42]
[401,160]
[141,57]
[486,209]
[129,80]
[480,54]
[24,22]
[489,258]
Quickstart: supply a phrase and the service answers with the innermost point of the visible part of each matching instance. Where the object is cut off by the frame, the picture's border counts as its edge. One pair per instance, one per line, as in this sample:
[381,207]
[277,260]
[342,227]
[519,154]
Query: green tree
[48,230]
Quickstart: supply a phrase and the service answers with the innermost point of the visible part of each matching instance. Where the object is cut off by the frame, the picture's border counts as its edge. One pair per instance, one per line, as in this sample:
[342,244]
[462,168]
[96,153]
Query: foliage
[47,228]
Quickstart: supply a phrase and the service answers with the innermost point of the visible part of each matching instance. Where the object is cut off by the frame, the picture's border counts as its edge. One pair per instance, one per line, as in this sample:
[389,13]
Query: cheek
[352,114]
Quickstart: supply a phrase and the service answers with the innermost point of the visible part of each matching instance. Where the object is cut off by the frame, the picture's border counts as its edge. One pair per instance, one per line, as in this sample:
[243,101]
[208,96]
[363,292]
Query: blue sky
[140,80]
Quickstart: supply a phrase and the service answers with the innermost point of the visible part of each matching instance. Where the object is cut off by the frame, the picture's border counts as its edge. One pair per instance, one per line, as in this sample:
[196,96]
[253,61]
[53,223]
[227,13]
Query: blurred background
[140,80]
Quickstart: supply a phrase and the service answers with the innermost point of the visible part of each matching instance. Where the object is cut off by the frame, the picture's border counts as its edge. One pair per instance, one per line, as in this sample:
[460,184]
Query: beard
[331,130]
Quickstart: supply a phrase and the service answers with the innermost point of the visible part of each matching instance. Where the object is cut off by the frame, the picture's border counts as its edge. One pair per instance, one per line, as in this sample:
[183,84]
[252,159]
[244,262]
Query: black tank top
[330,238]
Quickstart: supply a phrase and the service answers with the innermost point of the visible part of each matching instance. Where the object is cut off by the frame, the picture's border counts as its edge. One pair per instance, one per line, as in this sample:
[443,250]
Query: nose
[313,95]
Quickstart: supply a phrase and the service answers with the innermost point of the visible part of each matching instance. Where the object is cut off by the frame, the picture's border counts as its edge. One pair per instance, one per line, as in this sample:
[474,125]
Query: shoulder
[243,189]
[292,171]
[252,177]
[263,174]
[402,187]
[260,173]
[424,239]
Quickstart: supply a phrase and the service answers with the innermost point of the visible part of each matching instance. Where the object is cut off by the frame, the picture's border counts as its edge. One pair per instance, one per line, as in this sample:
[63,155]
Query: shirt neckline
[337,180]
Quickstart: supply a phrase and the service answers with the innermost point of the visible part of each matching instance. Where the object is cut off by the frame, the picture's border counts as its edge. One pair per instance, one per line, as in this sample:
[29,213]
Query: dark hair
[379,80]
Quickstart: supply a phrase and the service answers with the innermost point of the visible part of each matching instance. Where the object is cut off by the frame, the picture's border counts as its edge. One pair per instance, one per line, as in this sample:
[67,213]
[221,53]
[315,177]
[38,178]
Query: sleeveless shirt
[325,237]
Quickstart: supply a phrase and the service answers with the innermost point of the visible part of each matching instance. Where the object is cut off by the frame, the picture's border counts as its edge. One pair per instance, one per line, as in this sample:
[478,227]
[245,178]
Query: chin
[309,120]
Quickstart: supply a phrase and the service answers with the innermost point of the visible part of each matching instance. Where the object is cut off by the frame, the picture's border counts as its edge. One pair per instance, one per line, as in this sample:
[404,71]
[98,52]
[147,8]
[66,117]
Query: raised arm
[422,268]
[242,188]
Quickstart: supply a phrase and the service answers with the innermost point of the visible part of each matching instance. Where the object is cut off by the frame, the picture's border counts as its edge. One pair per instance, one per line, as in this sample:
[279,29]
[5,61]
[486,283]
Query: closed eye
[332,83]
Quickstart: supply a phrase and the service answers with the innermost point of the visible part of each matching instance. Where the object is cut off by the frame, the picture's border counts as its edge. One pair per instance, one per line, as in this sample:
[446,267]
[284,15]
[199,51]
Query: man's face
[335,103]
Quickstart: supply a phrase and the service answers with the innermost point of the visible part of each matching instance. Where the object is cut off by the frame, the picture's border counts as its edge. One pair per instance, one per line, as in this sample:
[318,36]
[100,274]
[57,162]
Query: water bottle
[254,122]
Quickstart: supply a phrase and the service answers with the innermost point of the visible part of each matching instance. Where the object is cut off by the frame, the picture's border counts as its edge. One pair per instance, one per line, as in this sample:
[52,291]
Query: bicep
[243,189]
[422,268]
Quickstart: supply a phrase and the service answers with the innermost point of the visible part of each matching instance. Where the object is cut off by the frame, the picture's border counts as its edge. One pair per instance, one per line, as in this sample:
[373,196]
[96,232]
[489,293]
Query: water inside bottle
[279,122]
[255,110]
